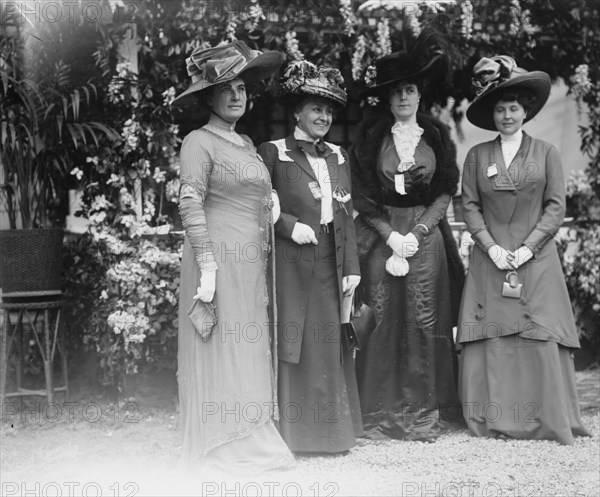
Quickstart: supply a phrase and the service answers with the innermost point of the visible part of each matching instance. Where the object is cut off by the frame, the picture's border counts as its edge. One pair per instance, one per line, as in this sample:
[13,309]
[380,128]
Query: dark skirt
[520,388]
[318,397]
[407,372]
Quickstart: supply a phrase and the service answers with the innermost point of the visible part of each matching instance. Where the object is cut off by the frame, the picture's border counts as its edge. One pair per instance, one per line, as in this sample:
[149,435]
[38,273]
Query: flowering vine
[348,17]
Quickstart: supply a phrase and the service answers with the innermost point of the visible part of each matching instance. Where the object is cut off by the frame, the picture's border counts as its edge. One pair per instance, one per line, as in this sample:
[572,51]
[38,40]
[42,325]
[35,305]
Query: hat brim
[480,112]
[257,69]
[433,70]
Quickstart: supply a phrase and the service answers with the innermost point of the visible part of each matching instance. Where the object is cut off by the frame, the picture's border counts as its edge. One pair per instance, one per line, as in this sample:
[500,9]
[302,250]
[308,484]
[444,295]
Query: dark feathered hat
[427,58]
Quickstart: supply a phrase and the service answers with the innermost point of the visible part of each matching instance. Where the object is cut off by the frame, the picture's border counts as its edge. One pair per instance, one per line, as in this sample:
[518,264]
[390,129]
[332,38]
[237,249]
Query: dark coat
[370,197]
[291,174]
[525,206]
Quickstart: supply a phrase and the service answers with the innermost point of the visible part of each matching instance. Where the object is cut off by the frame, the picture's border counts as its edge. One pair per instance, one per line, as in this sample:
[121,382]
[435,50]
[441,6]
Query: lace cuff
[192,187]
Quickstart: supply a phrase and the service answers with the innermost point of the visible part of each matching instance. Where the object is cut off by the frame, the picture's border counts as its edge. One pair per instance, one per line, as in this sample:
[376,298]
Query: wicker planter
[31,260]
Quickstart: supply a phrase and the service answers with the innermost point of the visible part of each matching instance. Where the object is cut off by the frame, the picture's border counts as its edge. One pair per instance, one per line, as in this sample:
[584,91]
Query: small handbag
[512,287]
[361,325]
[204,317]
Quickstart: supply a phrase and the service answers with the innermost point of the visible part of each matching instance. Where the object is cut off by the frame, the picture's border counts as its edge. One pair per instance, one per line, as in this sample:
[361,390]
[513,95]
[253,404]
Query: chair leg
[3,360]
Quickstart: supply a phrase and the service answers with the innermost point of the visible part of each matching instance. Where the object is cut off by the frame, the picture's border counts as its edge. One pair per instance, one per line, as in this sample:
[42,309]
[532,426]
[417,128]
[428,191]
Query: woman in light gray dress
[226,372]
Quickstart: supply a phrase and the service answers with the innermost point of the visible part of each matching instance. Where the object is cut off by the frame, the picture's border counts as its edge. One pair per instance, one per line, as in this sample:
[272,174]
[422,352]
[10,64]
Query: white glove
[349,283]
[303,234]
[396,265]
[276,211]
[520,256]
[403,246]
[500,257]
[410,246]
[206,291]
[395,242]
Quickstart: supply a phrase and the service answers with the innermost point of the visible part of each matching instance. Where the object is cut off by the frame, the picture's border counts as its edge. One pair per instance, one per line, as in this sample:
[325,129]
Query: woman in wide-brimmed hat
[516,325]
[404,174]
[225,361]
[316,263]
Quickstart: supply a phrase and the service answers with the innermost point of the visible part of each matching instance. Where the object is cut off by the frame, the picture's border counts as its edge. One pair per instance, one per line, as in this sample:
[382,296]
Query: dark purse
[356,333]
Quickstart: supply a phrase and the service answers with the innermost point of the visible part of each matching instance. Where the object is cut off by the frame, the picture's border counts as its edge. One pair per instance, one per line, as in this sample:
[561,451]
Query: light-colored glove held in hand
[303,234]
[206,290]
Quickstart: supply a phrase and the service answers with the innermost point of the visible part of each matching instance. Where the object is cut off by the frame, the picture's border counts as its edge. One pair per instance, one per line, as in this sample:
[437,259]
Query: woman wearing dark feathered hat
[404,174]
[317,265]
[516,325]
[225,360]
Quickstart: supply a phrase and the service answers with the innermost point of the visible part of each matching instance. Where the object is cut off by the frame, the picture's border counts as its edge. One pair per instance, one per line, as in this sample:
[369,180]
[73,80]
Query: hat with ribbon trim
[492,77]
[211,66]
[305,78]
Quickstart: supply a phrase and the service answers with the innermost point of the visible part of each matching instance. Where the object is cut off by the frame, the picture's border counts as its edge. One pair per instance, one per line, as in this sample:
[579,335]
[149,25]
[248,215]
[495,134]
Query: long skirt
[407,371]
[318,397]
[226,383]
[520,388]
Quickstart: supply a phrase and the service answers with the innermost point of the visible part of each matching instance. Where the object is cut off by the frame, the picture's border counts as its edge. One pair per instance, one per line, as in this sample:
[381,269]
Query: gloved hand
[500,257]
[349,283]
[396,265]
[520,256]
[303,234]
[395,241]
[276,211]
[410,246]
[206,290]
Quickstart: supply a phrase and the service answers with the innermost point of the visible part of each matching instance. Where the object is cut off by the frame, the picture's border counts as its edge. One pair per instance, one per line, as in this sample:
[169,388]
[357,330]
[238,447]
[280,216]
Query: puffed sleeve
[554,204]
[472,205]
[196,166]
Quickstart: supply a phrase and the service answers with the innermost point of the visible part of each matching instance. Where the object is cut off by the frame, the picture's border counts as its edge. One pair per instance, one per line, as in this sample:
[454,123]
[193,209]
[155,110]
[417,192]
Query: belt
[326,228]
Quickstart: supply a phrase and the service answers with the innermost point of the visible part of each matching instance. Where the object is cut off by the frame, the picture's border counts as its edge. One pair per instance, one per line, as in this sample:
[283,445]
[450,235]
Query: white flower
[168,95]
[466,19]
[580,81]
[172,190]
[360,49]
[115,180]
[159,175]
[78,173]
[383,37]
[292,46]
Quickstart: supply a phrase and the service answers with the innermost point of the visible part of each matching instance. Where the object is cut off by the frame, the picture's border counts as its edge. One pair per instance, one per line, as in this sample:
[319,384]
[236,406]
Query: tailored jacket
[291,174]
[520,205]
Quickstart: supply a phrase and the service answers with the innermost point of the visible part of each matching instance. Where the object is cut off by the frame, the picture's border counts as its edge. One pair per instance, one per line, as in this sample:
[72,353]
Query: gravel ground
[115,449]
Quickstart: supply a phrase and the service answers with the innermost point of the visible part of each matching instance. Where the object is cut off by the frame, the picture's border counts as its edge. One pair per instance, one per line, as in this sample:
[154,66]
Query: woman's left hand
[520,256]
[349,283]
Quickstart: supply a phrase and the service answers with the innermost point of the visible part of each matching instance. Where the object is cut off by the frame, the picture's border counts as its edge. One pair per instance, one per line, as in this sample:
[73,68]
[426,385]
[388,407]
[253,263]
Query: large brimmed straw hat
[211,66]
[305,78]
[426,59]
[492,77]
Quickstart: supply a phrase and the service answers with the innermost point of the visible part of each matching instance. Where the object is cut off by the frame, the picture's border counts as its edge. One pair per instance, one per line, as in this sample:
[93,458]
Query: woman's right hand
[303,234]
[501,257]
[206,290]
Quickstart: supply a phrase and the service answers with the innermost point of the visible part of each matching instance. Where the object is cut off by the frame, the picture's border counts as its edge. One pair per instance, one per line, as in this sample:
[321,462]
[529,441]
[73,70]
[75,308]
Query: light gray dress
[227,387]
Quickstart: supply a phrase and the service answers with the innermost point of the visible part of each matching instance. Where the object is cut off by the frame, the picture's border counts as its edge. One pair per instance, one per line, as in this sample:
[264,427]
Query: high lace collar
[220,123]
[515,137]
[224,129]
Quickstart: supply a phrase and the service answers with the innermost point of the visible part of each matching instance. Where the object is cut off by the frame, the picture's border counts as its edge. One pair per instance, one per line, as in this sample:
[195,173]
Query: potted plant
[43,131]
